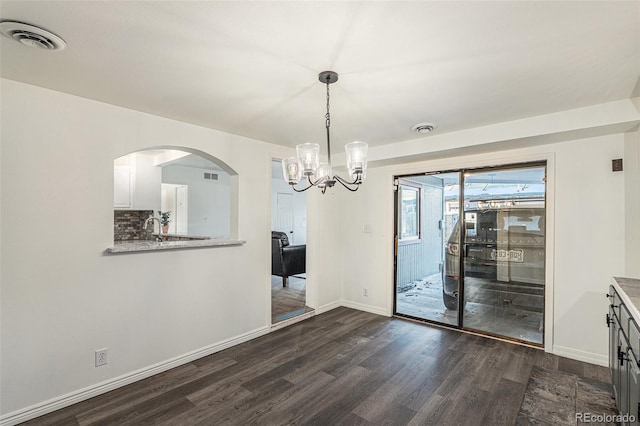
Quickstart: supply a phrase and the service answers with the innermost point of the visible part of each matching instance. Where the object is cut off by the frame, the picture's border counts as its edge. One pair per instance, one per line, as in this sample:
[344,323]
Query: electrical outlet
[365,292]
[102,357]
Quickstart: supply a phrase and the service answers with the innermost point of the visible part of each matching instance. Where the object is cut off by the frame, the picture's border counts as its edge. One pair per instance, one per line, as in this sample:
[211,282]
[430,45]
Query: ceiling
[197,162]
[173,157]
[250,68]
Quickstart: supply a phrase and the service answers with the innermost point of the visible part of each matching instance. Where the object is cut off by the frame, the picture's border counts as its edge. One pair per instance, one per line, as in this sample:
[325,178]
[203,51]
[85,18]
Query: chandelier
[307,163]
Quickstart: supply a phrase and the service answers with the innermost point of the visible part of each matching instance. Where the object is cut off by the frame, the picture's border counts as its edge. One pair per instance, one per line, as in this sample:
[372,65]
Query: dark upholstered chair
[286,260]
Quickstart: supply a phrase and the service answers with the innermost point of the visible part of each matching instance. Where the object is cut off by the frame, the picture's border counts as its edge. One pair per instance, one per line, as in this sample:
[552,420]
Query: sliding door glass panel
[427,213]
[503,251]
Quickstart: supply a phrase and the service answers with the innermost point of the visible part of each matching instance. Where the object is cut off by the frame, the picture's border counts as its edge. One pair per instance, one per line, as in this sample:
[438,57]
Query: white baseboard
[54,404]
[292,320]
[362,307]
[326,308]
[578,355]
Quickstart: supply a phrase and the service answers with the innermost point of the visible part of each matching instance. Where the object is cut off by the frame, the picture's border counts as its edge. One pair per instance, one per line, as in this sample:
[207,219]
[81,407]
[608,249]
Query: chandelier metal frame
[307,162]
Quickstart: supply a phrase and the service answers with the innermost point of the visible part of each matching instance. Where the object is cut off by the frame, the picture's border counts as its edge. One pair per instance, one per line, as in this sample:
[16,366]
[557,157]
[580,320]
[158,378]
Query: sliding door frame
[396,184]
[461,287]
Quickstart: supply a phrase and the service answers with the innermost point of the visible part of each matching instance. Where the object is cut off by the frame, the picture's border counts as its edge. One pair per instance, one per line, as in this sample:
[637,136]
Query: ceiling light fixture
[31,36]
[424,128]
[307,163]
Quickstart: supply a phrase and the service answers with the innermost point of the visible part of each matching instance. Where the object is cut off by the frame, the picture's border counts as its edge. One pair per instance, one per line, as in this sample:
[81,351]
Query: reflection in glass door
[504,252]
[427,210]
[485,254]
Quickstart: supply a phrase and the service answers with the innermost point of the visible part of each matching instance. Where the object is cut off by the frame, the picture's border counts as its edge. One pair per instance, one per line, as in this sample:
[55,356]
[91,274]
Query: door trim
[548,162]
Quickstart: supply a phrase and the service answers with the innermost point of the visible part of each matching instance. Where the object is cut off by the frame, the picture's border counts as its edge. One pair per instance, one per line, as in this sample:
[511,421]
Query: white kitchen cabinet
[122,187]
[136,183]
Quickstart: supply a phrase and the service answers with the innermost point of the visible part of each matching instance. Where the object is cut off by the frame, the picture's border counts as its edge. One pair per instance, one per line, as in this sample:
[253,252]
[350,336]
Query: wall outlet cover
[101,357]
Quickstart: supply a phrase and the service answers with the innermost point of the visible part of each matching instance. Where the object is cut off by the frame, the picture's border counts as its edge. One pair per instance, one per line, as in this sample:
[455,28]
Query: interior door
[182,209]
[284,212]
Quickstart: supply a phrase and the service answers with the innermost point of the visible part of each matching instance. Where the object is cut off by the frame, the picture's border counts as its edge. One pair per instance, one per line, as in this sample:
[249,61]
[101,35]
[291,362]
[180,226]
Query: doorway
[289,223]
[470,249]
[175,199]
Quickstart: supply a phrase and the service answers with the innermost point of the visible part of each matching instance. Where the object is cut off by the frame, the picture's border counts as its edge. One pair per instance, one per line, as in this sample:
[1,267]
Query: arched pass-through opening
[196,192]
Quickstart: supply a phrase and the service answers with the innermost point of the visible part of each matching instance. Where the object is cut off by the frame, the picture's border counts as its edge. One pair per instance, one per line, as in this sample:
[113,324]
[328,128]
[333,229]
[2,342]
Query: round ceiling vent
[31,36]
[424,128]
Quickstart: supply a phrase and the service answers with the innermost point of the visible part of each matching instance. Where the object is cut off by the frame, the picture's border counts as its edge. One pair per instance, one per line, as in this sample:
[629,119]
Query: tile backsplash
[127,225]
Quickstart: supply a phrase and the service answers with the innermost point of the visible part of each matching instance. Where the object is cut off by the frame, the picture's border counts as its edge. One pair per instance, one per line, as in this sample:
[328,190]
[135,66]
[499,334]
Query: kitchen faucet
[151,219]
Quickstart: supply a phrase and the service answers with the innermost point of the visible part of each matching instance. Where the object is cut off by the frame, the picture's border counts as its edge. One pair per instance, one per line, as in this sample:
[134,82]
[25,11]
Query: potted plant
[164,220]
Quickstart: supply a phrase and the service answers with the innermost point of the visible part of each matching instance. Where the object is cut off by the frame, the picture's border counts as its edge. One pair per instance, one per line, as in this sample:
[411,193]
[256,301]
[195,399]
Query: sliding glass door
[427,212]
[470,250]
[504,252]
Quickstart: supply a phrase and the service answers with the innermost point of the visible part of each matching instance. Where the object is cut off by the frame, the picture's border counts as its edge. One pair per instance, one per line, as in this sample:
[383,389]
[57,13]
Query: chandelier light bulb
[309,156]
[291,170]
[357,159]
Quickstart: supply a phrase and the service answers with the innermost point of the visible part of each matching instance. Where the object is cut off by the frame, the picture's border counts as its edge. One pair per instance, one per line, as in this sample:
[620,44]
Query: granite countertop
[629,290]
[138,246]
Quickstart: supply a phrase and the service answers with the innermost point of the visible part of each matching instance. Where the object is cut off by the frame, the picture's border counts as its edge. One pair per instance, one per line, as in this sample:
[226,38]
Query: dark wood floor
[342,367]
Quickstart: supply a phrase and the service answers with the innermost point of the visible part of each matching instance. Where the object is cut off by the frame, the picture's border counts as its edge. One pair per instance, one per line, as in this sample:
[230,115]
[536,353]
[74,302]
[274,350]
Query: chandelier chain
[327,115]
[327,125]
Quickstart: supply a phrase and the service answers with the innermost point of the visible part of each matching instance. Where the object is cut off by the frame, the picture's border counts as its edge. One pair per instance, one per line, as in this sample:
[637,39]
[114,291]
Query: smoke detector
[424,128]
[31,36]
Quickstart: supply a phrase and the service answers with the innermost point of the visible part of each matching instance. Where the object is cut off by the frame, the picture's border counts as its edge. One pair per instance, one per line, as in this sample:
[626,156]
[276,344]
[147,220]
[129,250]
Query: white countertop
[138,246]
[629,291]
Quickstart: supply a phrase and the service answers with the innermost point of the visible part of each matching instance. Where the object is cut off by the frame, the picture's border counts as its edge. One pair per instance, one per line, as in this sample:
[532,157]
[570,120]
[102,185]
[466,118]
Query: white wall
[209,200]
[631,167]
[62,298]
[589,209]
[585,196]
[326,258]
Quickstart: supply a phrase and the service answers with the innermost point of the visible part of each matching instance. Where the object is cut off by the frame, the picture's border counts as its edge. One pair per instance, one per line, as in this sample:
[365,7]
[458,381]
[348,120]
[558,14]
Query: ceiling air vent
[424,128]
[31,36]
[210,176]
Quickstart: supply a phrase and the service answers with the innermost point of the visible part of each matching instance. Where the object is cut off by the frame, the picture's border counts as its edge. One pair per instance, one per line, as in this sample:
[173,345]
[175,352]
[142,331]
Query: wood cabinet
[624,354]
